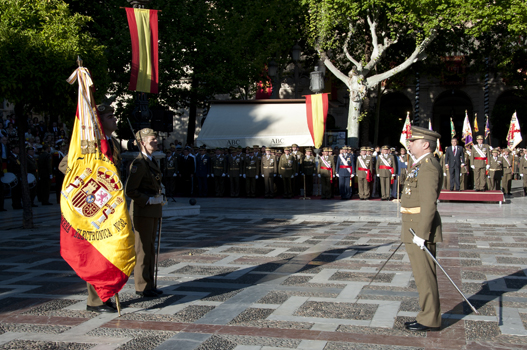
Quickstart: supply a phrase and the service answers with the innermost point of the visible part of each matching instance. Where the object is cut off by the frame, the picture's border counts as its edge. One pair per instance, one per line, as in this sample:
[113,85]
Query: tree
[39,44]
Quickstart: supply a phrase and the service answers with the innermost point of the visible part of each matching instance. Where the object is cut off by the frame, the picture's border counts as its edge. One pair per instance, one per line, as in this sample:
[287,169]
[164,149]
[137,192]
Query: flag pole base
[118,304]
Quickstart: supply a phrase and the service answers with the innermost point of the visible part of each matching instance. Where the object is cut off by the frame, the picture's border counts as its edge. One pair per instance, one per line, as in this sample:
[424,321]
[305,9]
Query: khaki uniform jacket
[419,201]
[323,172]
[361,174]
[269,166]
[63,165]
[234,165]
[219,164]
[287,166]
[299,159]
[386,172]
[523,165]
[496,167]
[468,155]
[506,162]
[251,166]
[479,163]
[144,182]
[309,165]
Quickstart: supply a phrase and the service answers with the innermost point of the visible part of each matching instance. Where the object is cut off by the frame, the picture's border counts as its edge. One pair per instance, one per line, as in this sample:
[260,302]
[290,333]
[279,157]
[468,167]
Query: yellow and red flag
[317,112]
[143,31]
[96,237]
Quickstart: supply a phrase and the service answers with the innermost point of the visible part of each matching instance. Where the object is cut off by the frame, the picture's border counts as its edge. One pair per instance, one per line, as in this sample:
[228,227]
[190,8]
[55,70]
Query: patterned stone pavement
[245,279]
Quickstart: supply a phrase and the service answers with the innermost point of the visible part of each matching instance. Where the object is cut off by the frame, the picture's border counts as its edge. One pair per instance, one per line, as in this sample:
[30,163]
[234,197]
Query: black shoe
[417,327]
[147,294]
[409,323]
[157,291]
[108,307]
[47,203]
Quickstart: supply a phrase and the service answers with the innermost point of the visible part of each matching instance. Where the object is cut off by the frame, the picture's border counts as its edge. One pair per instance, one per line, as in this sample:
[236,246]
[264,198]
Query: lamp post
[272,69]
[296,51]
[316,81]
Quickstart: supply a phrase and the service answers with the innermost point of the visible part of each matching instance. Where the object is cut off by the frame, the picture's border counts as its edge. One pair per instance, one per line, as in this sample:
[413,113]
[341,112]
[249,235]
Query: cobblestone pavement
[274,274]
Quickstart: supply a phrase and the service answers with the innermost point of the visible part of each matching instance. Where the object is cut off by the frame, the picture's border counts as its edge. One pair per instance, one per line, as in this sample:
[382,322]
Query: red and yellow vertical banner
[317,112]
[144,33]
[96,237]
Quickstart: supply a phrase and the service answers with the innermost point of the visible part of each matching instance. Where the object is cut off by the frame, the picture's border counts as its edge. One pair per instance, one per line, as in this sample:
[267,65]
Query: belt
[480,158]
[369,176]
[285,168]
[218,167]
[330,171]
[234,169]
[415,210]
[250,167]
[389,168]
[345,167]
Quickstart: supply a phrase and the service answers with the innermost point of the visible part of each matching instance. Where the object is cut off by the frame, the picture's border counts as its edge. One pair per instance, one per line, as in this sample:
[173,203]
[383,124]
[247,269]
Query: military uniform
[465,172]
[402,166]
[287,169]
[13,166]
[309,169]
[345,172]
[251,170]
[143,186]
[523,171]
[419,212]
[507,164]
[479,164]
[385,172]
[495,170]
[235,171]
[186,173]
[203,171]
[268,171]
[45,172]
[364,172]
[296,182]
[326,171]
[219,171]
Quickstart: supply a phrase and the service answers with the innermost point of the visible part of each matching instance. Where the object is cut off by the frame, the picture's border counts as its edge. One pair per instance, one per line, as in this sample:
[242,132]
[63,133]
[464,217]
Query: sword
[158,251]
[446,274]
[399,246]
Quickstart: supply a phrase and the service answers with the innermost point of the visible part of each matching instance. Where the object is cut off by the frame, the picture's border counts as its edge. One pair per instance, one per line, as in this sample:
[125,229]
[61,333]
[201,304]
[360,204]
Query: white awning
[270,123]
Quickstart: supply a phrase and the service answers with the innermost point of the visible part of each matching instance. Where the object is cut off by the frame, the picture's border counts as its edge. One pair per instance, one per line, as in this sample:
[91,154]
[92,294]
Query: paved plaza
[262,274]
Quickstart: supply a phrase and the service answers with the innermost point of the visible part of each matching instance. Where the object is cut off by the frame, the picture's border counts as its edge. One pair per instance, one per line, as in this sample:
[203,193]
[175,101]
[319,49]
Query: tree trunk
[377,116]
[353,123]
[21,123]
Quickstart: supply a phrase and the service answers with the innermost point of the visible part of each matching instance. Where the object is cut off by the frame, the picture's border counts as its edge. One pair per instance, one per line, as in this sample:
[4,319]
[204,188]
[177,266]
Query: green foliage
[39,44]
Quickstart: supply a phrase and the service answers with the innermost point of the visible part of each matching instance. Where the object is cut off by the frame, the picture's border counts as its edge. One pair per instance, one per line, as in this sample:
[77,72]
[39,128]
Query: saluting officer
[288,168]
[479,163]
[144,188]
[326,171]
[364,172]
[309,170]
[419,212]
[269,170]
[385,171]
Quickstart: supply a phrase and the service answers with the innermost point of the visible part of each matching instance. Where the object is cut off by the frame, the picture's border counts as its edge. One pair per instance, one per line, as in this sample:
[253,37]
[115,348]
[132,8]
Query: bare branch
[348,38]
[336,72]
[374,39]
[417,55]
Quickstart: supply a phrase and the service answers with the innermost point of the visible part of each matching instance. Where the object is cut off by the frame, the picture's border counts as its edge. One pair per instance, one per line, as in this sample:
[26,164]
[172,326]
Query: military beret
[105,109]
[294,145]
[419,133]
[144,133]
[480,137]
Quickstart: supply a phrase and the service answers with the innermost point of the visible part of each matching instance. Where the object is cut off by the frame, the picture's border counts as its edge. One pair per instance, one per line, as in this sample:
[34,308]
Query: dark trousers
[250,186]
[454,178]
[16,195]
[288,191]
[186,185]
[308,179]
[235,185]
[202,186]
[145,237]
[170,186]
[269,185]
[385,187]
[344,187]
[219,185]
[326,187]
[43,188]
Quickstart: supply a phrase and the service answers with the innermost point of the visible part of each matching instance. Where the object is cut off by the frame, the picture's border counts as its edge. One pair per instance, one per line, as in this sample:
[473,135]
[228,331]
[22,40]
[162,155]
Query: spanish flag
[317,112]
[143,31]
[96,237]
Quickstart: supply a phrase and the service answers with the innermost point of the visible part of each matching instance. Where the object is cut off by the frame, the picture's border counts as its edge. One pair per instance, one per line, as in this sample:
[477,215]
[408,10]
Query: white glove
[208,175]
[241,175]
[473,167]
[228,175]
[419,241]
[352,175]
[212,175]
[292,176]
[256,177]
[263,176]
[521,175]
[393,175]
[296,174]
[274,175]
[338,175]
[50,177]
[314,174]
[244,176]
[488,167]
[223,175]
[175,175]
[446,166]
[280,176]
[444,174]
[318,175]
[155,200]
[378,175]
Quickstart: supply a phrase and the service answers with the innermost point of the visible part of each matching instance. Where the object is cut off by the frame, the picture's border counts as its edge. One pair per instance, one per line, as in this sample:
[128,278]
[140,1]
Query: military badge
[134,169]
[407,191]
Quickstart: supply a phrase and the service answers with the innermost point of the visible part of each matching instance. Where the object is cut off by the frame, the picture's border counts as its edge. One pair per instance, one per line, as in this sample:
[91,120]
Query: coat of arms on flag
[407,132]
[514,136]
[96,237]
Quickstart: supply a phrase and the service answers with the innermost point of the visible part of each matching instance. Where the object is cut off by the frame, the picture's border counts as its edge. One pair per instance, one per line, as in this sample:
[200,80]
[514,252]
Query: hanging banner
[317,112]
